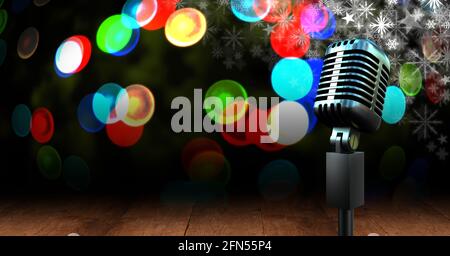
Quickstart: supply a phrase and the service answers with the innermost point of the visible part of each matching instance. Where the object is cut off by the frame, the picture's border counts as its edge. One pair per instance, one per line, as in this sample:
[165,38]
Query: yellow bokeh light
[186,27]
[141,105]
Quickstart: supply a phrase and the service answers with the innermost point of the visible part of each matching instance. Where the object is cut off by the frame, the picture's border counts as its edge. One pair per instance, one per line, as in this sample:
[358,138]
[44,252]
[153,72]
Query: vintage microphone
[350,100]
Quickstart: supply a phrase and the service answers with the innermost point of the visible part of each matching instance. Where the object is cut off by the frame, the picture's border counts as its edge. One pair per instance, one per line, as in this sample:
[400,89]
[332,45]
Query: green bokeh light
[410,79]
[227,89]
[3,20]
[113,34]
[49,162]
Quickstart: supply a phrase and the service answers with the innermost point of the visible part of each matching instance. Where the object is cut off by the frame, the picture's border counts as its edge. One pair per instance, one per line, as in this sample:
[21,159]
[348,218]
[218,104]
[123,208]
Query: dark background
[169,72]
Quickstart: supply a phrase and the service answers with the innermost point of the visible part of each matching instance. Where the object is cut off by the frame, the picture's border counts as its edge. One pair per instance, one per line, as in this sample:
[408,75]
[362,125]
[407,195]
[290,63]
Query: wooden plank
[296,217]
[149,217]
[236,217]
[441,205]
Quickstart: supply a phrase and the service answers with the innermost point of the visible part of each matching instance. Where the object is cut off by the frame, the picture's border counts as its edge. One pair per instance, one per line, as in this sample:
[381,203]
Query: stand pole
[345,222]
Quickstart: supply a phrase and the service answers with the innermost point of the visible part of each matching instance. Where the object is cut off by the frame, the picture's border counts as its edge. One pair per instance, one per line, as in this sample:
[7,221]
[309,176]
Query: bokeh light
[329,29]
[231,110]
[28,43]
[392,163]
[114,36]
[316,65]
[42,125]
[141,105]
[186,27]
[18,6]
[197,146]
[141,11]
[3,20]
[49,162]
[288,123]
[86,117]
[259,118]
[280,11]
[76,173]
[394,105]
[289,40]
[431,48]
[3,51]
[250,10]
[434,87]
[72,55]
[239,136]
[40,3]
[308,104]
[292,78]
[21,120]
[410,79]
[313,17]
[209,167]
[110,103]
[124,135]
[165,9]
[278,180]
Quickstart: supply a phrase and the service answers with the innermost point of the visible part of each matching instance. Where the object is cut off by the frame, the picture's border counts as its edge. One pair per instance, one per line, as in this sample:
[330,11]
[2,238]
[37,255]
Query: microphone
[350,99]
[353,85]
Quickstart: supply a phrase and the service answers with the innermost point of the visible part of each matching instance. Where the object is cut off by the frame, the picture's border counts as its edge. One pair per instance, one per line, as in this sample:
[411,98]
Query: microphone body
[350,99]
[353,85]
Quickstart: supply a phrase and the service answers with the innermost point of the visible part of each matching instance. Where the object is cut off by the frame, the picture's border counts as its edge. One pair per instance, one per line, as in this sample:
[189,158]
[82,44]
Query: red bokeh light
[198,146]
[289,40]
[165,9]
[434,87]
[86,48]
[42,125]
[124,135]
[280,11]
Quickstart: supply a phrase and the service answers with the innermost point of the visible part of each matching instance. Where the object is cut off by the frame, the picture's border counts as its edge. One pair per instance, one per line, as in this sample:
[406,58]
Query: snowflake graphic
[382,24]
[432,4]
[233,38]
[425,123]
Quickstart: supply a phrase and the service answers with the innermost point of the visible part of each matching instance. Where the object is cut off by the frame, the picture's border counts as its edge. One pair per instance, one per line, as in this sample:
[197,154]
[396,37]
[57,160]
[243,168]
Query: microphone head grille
[353,85]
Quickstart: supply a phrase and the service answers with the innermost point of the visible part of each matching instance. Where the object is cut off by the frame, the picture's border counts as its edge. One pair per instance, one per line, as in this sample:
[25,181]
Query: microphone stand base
[345,186]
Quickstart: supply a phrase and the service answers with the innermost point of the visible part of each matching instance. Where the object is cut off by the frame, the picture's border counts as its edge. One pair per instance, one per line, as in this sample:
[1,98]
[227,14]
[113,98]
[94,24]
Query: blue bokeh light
[328,31]
[394,105]
[278,180]
[292,78]
[21,120]
[251,10]
[105,103]
[86,116]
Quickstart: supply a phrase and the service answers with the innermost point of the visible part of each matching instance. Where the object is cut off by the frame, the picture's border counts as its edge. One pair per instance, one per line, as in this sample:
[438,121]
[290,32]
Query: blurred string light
[434,87]
[410,79]
[49,162]
[204,162]
[76,173]
[251,10]
[116,36]
[110,103]
[18,6]
[42,125]
[3,20]
[392,164]
[165,9]
[3,51]
[72,55]
[394,105]
[141,12]
[40,3]
[197,146]
[86,117]
[279,11]
[141,105]
[28,43]
[186,27]
[123,135]
[292,78]
[21,120]
[288,123]
[231,110]
[278,180]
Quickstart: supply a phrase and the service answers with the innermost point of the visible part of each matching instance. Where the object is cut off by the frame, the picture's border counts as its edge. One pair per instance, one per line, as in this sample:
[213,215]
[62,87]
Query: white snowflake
[392,44]
[382,24]
[233,38]
[425,123]
[217,52]
[366,9]
[256,51]
[431,24]
[417,14]
[442,154]
[432,4]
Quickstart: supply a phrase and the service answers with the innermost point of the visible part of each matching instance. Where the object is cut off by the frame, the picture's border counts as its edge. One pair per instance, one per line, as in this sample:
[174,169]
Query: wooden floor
[243,216]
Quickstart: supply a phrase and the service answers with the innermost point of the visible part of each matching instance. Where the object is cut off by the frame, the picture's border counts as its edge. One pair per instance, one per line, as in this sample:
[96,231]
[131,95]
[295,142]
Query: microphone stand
[345,177]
